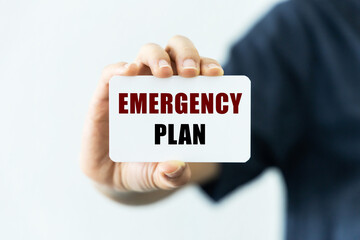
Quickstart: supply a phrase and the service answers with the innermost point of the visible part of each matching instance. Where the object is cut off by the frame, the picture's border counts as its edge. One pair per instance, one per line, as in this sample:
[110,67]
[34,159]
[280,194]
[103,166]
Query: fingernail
[163,63]
[179,166]
[189,63]
[213,65]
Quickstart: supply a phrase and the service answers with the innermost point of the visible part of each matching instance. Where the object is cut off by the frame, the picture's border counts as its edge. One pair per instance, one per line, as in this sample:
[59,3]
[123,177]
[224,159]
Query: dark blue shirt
[303,59]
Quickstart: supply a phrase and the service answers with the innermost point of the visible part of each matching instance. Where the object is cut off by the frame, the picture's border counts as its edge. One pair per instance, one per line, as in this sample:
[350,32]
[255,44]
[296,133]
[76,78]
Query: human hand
[180,57]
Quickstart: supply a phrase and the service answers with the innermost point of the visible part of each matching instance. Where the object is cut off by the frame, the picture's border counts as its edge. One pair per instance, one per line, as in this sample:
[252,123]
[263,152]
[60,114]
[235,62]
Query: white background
[51,55]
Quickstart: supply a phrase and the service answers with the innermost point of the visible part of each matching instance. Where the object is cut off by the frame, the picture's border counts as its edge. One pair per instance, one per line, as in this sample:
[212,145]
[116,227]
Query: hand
[179,57]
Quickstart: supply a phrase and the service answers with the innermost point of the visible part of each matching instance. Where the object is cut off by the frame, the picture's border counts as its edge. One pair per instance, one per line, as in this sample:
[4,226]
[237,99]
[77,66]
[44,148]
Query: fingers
[183,52]
[155,58]
[210,67]
[180,57]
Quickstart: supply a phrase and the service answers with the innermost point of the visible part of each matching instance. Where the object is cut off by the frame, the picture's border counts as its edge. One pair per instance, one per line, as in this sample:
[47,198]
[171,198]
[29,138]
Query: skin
[142,183]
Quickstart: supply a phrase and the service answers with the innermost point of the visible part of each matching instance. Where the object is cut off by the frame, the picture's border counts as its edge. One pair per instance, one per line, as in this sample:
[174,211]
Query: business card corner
[111,157]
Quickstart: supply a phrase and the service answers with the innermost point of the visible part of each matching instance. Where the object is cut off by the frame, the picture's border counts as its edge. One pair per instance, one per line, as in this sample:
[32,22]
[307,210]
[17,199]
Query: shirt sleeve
[275,56]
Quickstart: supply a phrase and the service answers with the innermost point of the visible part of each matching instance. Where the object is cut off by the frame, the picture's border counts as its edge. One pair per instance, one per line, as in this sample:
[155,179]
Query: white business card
[201,119]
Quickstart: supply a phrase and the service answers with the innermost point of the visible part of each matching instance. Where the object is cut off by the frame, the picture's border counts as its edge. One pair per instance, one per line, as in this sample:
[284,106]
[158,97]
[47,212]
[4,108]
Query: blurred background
[51,57]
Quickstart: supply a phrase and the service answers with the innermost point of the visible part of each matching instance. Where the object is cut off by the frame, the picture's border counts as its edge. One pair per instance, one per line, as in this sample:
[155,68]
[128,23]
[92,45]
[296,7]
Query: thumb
[171,174]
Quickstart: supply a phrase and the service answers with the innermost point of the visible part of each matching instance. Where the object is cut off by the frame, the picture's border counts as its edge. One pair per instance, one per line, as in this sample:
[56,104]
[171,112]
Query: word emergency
[179,103]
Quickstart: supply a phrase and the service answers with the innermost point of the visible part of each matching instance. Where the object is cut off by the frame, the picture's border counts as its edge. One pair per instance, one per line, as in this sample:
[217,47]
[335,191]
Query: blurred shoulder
[281,38]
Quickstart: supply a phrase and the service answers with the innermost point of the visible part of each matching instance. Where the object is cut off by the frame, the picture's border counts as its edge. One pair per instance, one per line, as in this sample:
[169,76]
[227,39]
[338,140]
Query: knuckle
[176,41]
[106,69]
[149,46]
[150,50]
[191,51]
[177,37]
[207,60]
